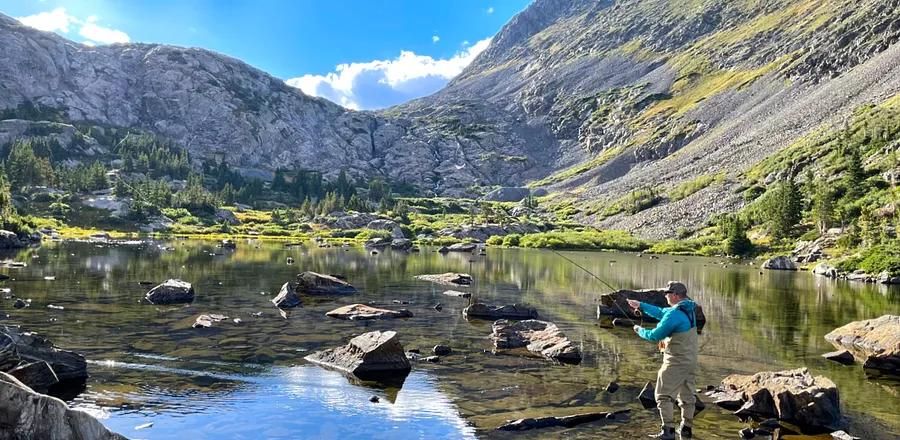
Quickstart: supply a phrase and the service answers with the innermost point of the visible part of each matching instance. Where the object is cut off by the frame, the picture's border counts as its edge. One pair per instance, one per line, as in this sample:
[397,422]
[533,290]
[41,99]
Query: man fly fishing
[677,335]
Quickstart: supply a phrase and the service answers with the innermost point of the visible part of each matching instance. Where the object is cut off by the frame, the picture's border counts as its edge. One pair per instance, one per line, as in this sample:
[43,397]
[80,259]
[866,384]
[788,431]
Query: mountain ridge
[596,101]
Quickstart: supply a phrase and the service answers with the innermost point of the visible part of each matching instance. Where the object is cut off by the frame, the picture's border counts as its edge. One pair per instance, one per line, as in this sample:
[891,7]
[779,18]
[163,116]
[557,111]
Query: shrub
[512,240]
[618,240]
[368,234]
[878,259]
[495,240]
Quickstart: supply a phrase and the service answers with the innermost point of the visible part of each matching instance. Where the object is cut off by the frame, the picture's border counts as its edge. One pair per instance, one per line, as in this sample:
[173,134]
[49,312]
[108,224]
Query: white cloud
[52,21]
[94,32]
[382,83]
[58,20]
[435,38]
[490,10]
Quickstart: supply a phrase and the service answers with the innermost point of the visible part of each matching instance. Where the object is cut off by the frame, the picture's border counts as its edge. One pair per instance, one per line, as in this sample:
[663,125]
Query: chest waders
[675,379]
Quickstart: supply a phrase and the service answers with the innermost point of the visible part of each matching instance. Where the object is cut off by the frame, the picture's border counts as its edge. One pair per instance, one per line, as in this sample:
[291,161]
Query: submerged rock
[171,292]
[449,278]
[793,396]
[462,247]
[206,321]
[540,337]
[616,304]
[29,415]
[287,297]
[370,355]
[565,421]
[509,311]
[779,263]
[228,244]
[312,283]
[876,342]
[359,312]
[646,397]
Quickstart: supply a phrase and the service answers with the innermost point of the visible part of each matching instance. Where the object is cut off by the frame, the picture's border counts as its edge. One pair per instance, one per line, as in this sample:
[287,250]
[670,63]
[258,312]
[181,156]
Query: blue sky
[361,54]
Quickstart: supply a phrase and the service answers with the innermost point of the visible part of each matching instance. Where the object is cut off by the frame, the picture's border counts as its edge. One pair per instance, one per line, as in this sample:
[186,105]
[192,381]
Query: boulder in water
[27,414]
[287,297]
[462,247]
[39,376]
[826,270]
[206,321]
[360,312]
[840,356]
[509,311]
[457,293]
[780,262]
[876,342]
[312,283]
[17,346]
[449,279]
[370,355]
[401,244]
[540,337]
[9,240]
[616,304]
[171,292]
[793,396]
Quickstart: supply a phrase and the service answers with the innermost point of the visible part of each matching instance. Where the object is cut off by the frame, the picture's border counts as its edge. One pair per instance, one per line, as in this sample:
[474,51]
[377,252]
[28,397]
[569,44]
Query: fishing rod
[637,312]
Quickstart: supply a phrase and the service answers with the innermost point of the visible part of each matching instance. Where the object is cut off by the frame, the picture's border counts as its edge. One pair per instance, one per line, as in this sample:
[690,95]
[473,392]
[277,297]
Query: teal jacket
[677,319]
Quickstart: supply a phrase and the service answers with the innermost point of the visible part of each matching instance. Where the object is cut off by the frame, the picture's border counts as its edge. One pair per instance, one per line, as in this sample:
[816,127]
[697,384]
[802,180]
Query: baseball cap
[676,288]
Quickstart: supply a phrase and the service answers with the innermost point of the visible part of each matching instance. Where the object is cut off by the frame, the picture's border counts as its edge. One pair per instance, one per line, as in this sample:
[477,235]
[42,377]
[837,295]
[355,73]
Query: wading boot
[687,432]
[664,434]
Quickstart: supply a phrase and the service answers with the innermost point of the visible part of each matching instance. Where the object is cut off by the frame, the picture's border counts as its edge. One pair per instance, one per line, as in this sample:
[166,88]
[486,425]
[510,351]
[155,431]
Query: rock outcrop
[362,312]
[374,355]
[540,337]
[30,415]
[794,396]
[875,342]
[508,194]
[449,279]
[616,304]
[779,263]
[9,240]
[508,311]
[171,292]
[312,283]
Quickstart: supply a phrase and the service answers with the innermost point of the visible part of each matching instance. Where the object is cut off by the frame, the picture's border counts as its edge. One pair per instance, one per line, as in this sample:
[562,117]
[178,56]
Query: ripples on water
[249,380]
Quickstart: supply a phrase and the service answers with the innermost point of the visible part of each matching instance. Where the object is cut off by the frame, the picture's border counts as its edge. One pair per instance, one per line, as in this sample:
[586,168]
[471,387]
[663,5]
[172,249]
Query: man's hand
[634,304]
[636,328]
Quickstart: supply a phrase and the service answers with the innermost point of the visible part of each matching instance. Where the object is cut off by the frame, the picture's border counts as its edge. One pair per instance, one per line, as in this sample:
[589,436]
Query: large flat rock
[508,311]
[540,337]
[374,355]
[616,304]
[361,312]
[875,342]
[448,279]
[794,396]
[25,414]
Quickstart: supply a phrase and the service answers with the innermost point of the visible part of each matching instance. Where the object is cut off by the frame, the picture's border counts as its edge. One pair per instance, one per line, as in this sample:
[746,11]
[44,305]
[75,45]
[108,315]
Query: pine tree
[7,209]
[822,206]
[734,232]
[782,207]
[854,175]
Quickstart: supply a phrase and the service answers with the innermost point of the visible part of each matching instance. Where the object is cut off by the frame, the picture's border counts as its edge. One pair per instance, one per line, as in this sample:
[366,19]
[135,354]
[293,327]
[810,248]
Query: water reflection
[249,380]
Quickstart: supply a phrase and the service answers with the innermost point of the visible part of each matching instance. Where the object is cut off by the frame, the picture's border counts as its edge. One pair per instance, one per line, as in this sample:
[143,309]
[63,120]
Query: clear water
[249,380]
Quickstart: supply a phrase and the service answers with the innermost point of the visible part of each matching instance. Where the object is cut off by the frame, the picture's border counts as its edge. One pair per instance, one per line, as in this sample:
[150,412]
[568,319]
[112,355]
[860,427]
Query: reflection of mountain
[293,402]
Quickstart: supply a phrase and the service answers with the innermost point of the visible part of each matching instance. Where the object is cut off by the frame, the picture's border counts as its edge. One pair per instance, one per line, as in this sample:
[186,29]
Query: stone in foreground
[17,347]
[876,342]
[374,355]
[509,311]
[615,303]
[566,421]
[540,337]
[779,263]
[206,321]
[793,396]
[449,279]
[360,312]
[171,292]
[25,414]
[312,283]
[287,297]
